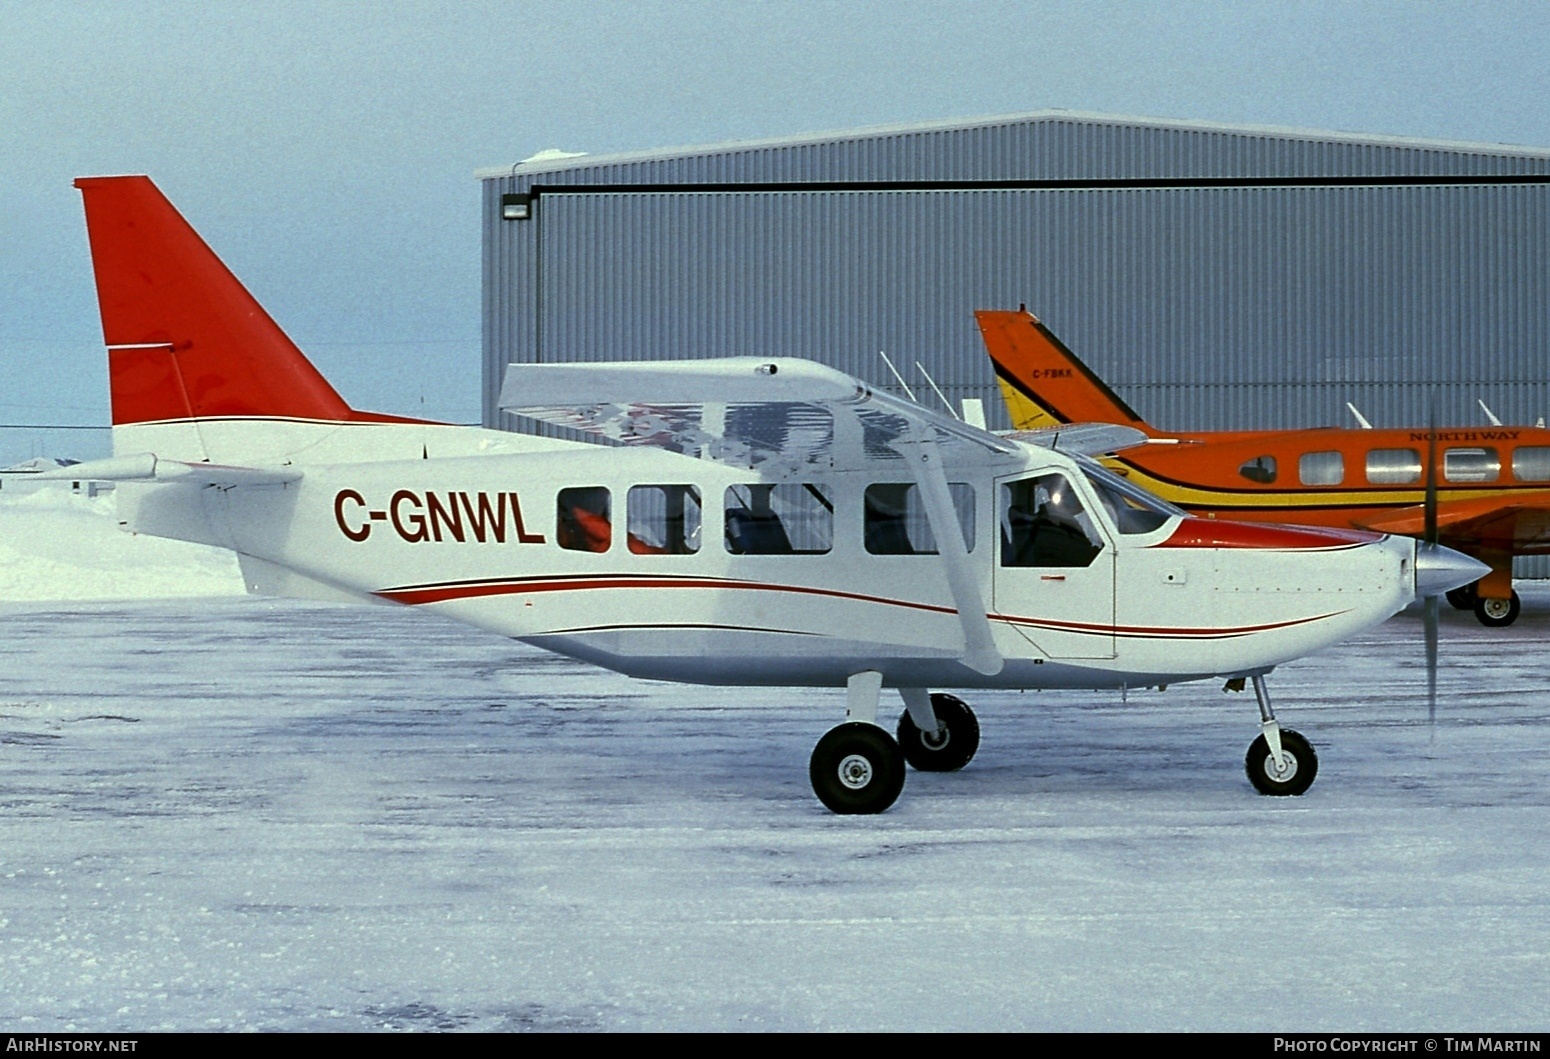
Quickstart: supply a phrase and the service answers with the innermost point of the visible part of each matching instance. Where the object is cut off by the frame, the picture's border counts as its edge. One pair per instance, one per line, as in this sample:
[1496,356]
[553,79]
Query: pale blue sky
[326,150]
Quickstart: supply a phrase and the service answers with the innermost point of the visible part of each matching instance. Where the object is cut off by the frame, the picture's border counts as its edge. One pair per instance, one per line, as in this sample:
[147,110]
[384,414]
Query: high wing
[781,416]
[1518,523]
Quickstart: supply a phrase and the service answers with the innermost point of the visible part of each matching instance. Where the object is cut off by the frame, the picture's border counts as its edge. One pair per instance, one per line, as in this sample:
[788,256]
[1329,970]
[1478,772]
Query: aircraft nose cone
[1439,570]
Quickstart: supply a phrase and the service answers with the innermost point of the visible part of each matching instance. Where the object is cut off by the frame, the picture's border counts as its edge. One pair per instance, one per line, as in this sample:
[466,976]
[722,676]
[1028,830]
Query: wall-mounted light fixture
[516,207]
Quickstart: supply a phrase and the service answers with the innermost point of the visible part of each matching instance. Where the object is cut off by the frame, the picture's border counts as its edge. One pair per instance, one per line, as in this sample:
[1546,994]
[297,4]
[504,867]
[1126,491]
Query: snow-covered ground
[57,544]
[245,813]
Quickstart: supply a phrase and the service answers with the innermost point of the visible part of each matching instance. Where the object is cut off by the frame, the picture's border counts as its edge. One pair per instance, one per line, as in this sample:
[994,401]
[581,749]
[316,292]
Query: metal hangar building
[1217,276]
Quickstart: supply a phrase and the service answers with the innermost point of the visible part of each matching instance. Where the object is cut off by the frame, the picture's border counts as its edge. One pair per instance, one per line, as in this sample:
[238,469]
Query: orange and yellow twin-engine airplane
[1493,484]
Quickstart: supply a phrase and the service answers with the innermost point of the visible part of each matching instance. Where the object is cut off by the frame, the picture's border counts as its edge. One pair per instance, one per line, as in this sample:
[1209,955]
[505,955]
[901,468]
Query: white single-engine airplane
[758,521]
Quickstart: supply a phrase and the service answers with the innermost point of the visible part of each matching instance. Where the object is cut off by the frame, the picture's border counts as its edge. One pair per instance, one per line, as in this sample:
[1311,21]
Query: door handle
[1052,577]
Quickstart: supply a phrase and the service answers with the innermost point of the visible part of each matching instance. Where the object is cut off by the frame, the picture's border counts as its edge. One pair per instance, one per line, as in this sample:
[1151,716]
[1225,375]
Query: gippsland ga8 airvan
[744,522]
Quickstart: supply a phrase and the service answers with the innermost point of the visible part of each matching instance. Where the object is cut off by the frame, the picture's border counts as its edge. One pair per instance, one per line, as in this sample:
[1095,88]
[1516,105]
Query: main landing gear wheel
[857,768]
[951,747]
[1497,613]
[1300,765]
[1462,598]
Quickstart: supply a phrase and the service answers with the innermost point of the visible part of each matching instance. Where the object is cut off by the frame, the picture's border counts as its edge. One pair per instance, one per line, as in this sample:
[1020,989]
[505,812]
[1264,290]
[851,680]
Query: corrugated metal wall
[1205,307]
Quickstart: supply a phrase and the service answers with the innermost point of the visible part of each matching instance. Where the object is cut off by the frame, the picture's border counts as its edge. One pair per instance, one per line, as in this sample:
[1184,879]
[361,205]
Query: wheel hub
[855,771]
[937,740]
[1281,775]
[1496,608]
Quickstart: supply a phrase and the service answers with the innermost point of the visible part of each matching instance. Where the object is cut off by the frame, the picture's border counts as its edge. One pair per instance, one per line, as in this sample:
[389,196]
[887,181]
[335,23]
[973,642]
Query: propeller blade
[1430,616]
[1431,608]
[1431,474]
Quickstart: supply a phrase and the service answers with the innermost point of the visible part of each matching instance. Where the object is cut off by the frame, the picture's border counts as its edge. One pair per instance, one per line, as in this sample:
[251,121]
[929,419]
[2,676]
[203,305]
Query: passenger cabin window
[663,519]
[1471,465]
[784,519]
[1393,466]
[1131,508]
[1261,469]
[1531,463]
[1043,524]
[582,524]
[1321,468]
[896,521]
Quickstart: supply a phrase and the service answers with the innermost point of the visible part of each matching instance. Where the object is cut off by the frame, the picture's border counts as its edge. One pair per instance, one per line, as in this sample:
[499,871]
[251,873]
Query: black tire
[1261,771]
[1462,598]
[1498,613]
[961,737]
[857,768]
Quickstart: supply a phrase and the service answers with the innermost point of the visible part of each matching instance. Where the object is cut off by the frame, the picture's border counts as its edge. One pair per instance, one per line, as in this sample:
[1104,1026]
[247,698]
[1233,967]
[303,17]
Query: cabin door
[1054,576]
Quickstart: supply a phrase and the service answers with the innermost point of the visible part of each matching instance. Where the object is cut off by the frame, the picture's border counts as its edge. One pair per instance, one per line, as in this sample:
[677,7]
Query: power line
[50,426]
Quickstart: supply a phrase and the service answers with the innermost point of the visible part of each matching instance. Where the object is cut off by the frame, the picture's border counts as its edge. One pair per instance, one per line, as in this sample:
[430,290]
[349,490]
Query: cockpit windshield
[1131,508]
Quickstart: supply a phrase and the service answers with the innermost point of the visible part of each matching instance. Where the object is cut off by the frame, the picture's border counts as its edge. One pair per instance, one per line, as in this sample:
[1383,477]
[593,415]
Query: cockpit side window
[786,519]
[1043,523]
[1131,509]
[1261,469]
[582,520]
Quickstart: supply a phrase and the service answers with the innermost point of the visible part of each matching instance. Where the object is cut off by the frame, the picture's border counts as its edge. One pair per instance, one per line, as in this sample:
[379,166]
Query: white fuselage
[463,522]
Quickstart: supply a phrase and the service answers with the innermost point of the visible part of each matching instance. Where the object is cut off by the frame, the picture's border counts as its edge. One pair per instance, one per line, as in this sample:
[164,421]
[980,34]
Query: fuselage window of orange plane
[581,519]
[1393,466]
[1531,463]
[1471,465]
[1261,469]
[1321,468]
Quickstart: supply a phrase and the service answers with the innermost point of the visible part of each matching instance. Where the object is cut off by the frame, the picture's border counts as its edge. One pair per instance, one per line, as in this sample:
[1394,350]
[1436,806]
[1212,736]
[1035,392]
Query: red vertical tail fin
[1044,383]
[185,339]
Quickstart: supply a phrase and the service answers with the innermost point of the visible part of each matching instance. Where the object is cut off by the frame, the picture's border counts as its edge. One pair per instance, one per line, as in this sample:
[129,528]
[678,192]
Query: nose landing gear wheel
[1497,613]
[857,768]
[945,751]
[1301,765]
[1462,598]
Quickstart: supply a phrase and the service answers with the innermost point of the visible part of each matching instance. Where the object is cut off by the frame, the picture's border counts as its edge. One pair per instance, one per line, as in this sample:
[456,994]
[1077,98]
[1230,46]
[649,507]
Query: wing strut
[919,451]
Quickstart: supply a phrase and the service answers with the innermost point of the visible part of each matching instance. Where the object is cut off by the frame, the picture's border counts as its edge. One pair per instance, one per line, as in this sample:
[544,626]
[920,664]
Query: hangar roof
[1043,144]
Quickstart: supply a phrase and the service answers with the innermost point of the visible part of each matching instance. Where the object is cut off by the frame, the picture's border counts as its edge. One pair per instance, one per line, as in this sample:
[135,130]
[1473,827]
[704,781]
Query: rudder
[185,339]
[1044,383]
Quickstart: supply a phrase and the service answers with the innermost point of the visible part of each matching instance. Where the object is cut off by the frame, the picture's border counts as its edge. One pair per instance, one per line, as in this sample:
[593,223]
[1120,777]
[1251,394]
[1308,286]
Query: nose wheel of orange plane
[1497,613]
[1279,762]
[1492,613]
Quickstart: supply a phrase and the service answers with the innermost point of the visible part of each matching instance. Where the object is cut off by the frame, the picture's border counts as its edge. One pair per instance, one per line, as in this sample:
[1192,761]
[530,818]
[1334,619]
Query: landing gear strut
[1280,761]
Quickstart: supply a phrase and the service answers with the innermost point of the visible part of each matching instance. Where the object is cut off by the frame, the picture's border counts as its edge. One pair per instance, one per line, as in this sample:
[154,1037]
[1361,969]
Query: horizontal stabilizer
[147,467]
[1083,439]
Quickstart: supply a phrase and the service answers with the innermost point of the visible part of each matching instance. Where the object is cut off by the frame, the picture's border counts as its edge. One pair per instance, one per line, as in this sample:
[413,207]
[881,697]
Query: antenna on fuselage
[906,386]
[1360,419]
[1488,413]
[938,390]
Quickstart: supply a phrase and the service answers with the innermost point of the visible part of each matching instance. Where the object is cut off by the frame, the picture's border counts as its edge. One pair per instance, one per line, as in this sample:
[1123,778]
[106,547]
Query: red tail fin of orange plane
[1044,383]
[185,339]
